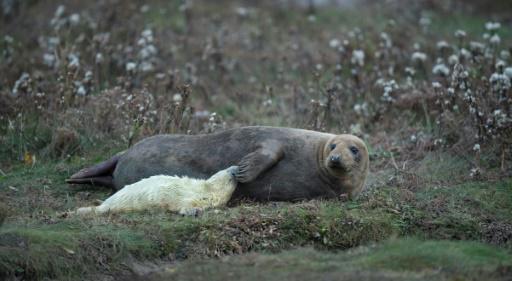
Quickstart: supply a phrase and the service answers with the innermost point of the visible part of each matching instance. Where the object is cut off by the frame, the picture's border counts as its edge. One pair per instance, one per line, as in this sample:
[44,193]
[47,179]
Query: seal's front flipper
[257,162]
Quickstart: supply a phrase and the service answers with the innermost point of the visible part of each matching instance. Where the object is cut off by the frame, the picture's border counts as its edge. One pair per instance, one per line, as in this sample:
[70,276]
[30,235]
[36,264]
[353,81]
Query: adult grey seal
[283,164]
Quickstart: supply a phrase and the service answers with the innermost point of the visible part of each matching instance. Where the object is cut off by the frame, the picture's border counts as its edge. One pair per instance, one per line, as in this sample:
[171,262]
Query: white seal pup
[179,194]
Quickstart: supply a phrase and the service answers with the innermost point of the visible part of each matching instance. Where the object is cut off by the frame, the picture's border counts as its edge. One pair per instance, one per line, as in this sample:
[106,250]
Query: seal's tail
[99,174]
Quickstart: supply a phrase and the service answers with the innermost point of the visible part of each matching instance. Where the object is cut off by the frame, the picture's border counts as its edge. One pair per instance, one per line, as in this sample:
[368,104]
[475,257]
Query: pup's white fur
[181,194]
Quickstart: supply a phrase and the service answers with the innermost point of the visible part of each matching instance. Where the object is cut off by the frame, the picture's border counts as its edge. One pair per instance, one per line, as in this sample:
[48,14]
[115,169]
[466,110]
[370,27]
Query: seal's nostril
[233,170]
[335,158]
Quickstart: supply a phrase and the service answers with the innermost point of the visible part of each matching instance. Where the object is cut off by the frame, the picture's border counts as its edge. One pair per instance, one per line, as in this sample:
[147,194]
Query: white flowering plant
[123,68]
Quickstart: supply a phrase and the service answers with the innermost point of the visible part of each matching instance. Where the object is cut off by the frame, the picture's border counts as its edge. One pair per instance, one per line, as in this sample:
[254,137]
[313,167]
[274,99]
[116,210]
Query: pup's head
[224,177]
[346,157]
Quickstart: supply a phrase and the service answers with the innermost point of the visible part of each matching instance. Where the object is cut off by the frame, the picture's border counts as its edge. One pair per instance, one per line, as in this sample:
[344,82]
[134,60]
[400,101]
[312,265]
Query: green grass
[415,255]
[443,167]
[35,243]
[402,259]
[65,250]
[473,25]
[42,248]
[167,17]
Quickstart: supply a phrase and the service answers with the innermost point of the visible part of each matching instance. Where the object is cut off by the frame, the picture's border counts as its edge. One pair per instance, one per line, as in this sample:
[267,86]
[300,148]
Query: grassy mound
[402,259]
[73,246]
[35,243]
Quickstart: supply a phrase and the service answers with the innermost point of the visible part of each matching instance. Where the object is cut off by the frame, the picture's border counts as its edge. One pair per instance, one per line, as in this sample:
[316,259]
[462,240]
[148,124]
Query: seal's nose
[233,170]
[335,160]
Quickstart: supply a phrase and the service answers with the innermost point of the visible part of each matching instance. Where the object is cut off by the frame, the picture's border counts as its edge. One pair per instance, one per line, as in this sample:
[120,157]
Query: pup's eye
[332,146]
[354,150]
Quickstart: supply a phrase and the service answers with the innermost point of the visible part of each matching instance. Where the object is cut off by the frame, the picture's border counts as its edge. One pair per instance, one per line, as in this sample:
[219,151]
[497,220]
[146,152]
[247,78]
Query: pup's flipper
[192,212]
[85,211]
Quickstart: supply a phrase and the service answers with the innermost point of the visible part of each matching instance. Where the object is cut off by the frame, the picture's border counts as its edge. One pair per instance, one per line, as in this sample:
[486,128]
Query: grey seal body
[282,164]
[293,177]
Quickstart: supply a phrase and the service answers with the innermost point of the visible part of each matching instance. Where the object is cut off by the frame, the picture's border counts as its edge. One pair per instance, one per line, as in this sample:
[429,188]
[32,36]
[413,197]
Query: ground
[434,232]
[84,81]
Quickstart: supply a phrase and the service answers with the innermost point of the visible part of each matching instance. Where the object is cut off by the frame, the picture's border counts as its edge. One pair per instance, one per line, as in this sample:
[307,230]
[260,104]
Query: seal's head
[346,157]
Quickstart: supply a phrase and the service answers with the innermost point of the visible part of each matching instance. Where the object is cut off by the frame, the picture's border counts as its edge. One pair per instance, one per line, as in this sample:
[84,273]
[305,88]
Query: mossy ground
[36,243]
[396,259]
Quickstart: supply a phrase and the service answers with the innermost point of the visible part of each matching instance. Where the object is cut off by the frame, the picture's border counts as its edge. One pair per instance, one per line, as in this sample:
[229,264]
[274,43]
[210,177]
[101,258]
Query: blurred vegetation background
[427,84]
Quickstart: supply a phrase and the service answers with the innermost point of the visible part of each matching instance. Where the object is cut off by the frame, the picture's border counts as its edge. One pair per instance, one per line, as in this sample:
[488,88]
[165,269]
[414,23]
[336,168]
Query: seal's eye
[332,146]
[354,150]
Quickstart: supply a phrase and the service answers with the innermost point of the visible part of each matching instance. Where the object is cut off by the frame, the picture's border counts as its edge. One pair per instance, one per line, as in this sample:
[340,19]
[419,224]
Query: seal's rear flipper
[106,181]
[100,174]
